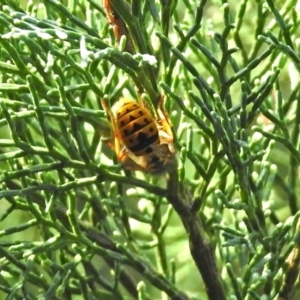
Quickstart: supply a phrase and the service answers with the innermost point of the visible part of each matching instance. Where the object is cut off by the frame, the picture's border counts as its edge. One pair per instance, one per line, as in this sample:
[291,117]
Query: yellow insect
[142,142]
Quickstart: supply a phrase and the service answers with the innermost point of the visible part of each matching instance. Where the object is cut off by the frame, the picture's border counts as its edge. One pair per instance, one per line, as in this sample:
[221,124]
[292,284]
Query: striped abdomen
[137,128]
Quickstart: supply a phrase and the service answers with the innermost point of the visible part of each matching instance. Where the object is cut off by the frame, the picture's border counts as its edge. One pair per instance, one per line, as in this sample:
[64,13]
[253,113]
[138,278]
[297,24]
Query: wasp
[142,141]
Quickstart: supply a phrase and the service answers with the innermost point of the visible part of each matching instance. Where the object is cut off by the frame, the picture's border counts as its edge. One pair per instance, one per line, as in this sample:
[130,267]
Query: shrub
[222,223]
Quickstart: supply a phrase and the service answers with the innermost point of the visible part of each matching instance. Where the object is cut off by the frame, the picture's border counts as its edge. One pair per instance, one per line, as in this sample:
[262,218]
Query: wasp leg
[164,118]
[117,146]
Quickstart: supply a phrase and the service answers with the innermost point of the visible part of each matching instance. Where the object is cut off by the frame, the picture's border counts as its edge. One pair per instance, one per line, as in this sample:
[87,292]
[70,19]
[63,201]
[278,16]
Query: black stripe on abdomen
[144,141]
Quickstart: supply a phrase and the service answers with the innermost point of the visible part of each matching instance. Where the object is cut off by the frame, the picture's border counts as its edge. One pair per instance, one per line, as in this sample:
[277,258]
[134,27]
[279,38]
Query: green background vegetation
[224,224]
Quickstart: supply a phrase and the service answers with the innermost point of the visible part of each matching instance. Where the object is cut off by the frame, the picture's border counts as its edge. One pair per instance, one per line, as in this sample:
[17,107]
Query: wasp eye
[151,129]
[155,159]
[149,150]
